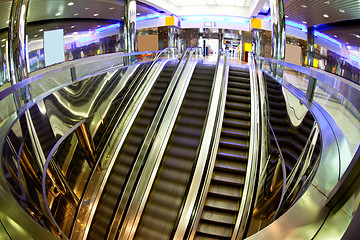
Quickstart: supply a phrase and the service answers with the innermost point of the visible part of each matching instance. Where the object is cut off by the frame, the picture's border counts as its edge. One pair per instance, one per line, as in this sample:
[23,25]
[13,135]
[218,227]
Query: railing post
[311,89]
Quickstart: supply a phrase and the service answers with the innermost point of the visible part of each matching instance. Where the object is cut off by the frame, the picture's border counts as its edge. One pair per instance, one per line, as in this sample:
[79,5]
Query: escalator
[223,199]
[125,160]
[163,206]
[291,139]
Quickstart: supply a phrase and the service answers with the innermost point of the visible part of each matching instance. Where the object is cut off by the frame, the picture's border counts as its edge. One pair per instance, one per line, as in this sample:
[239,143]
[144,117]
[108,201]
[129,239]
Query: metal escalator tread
[123,163]
[172,178]
[225,191]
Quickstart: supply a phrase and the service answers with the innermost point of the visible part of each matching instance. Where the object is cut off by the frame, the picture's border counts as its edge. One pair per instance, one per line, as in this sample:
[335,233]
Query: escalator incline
[168,191]
[125,160]
[223,199]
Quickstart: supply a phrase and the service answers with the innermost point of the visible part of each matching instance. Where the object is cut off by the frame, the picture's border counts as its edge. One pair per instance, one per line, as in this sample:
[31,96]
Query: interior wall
[147,43]
[293,54]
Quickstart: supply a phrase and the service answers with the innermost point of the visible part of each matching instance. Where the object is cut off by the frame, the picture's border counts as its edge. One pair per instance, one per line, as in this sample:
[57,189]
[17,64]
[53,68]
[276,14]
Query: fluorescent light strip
[326,37]
[216,19]
[149,16]
[302,27]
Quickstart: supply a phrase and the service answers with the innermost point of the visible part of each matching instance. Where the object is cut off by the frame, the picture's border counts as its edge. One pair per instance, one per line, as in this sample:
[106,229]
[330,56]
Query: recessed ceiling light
[75,14]
[87,8]
[98,25]
[304,22]
[122,17]
[40,30]
[95,14]
[303,5]
[341,10]
[3,40]
[357,36]
[2,45]
[70,3]
[348,47]
[72,26]
[35,35]
[57,14]
[7,22]
[138,14]
[74,33]
[89,29]
[347,42]
[327,2]
[335,36]
[286,16]
[111,8]
[325,16]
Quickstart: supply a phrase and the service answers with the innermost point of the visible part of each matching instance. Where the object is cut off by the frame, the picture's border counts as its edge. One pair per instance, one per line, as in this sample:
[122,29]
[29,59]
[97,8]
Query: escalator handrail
[214,125]
[6,92]
[147,143]
[49,157]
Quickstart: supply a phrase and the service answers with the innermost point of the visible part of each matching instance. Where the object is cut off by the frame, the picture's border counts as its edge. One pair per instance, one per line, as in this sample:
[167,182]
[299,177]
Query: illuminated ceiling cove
[237,3]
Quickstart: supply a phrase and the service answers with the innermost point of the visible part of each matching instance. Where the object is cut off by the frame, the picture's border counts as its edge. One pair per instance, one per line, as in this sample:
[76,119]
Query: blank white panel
[54,51]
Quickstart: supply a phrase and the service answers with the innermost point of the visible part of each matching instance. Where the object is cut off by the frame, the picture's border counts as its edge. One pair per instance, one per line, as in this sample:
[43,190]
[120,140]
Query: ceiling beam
[255,7]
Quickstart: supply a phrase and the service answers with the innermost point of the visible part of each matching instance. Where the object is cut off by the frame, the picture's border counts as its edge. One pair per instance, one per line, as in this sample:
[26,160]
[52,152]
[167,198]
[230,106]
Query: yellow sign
[247,47]
[255,23]
[170,21]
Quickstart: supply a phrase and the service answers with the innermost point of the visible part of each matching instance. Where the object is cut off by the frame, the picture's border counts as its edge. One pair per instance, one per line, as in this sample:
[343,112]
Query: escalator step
[239,99]
[228,143]
[237,91]
[236,113]
[218,217]
[189,130]
[241,124]
[239,85]
[239,73]
[225,191]
[225,153]
[189,121]
[235,132]
[195,113]
[221,203]
[219,209]
[185,141]
[230,166]
[226,178]
[212,229]
[239,79]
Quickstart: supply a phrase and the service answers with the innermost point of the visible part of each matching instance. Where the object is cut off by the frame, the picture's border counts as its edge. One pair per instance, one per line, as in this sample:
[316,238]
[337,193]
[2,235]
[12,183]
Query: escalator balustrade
[122,166]
[173,177]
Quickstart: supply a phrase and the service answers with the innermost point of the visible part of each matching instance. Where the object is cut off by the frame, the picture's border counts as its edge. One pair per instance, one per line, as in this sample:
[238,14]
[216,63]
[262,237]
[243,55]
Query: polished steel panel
[17,50]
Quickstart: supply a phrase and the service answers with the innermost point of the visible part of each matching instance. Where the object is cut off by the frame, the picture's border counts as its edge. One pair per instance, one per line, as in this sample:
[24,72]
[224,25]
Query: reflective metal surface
[17,50]
[278,37]
[130,25]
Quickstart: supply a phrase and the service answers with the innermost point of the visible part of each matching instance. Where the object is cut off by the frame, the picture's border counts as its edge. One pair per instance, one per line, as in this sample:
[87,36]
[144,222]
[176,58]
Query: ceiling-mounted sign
[207,24]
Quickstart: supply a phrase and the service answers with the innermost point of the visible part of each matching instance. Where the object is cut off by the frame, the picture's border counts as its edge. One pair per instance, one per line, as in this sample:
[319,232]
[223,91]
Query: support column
[310,46]
[171,37]
[256,42]
[221,37]
[17,50]
[277,32]
[130,25]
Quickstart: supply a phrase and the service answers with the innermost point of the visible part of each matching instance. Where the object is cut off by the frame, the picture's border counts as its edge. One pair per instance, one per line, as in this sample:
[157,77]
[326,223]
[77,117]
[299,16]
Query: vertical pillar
[221,36]
[310,46]
[277,32]
[241,46]
[171,37]
[17,50]
[256,42]
[130,25]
